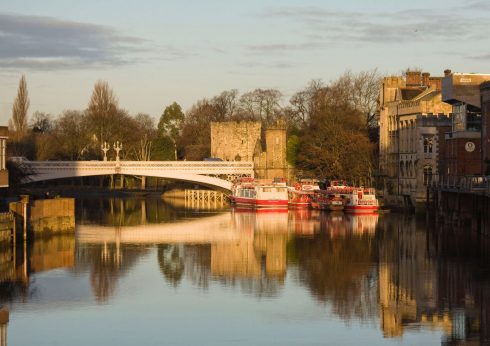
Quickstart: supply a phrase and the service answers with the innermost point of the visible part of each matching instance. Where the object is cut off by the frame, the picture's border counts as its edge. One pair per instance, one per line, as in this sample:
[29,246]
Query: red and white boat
[361,200]
[339,187]
[301,193]
[322,200]
[251,193]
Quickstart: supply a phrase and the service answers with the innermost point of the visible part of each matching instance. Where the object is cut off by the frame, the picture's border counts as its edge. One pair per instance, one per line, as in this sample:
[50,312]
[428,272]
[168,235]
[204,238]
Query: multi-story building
[4,175]
[485,108]
[412,116]
[463,147]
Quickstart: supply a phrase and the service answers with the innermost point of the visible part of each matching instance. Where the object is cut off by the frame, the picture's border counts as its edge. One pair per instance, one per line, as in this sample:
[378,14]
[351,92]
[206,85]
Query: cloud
[321,26]
[272,65]
[280,48]
[32,42]
[481,57]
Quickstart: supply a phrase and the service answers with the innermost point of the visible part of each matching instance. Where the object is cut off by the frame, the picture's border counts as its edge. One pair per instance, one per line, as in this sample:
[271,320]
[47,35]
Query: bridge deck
[211,173]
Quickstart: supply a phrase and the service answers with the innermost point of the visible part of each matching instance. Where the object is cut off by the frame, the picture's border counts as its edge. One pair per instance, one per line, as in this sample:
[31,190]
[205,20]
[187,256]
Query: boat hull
[299,205]
[333,207]
[361,208]
[258,203]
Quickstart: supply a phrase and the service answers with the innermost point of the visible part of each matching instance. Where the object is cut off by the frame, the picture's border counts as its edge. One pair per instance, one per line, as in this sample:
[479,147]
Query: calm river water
[141,272]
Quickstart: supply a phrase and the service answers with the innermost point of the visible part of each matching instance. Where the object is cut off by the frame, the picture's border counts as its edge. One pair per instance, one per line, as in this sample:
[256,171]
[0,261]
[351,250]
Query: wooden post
[14,231]
[24,201]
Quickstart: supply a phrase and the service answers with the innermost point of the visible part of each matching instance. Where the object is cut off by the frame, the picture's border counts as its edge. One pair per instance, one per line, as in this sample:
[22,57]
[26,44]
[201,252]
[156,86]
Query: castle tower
[275,141]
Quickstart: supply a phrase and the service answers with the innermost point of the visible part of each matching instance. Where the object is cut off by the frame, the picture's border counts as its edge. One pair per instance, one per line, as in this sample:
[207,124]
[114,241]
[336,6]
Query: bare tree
[226,104]
[19,109]
[303,103]
[362,91]
[102,110]
[262,104]
[146,131]
[41,122]
[70,135]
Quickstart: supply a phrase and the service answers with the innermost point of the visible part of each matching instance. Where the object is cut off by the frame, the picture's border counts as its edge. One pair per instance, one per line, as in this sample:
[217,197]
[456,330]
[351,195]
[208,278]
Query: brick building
[4,175]
[464,152]
[412,117]
[485,108]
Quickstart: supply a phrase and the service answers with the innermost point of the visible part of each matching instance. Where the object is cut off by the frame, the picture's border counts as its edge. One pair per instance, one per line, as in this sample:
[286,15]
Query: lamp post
[117,147]
[105,148]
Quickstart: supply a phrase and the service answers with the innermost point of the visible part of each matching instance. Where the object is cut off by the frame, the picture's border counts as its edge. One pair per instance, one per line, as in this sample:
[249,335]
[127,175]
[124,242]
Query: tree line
[332,127]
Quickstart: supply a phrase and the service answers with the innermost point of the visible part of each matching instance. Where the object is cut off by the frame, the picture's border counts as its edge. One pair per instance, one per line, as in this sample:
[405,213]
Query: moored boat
[361,200]
[299,199]
[301,193]
[335,203]
[324,201]
[251,193]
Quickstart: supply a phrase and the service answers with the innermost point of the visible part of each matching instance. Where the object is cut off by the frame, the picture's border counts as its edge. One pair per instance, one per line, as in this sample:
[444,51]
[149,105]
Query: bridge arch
[200,172]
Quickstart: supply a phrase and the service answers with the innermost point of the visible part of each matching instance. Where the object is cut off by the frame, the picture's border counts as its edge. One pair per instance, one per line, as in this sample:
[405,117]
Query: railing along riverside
[463,183]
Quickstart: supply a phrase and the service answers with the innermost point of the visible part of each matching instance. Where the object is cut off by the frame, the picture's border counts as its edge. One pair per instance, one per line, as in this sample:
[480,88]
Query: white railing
[195,167]
[213,173]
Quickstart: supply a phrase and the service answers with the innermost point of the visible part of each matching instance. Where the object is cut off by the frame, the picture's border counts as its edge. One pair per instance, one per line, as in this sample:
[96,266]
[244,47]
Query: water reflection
[337,265]
[387,271]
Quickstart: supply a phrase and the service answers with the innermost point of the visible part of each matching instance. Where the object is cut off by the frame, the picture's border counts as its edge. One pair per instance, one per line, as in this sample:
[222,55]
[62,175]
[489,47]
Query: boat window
[267,189]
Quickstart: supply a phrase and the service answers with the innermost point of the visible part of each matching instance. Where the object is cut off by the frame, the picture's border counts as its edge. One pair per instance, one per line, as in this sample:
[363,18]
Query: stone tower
[235,141]
[272,163]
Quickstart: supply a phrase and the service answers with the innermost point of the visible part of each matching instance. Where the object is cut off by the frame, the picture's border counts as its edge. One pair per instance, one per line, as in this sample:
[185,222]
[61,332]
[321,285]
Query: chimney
[447,72]
[413,78]
[425,79]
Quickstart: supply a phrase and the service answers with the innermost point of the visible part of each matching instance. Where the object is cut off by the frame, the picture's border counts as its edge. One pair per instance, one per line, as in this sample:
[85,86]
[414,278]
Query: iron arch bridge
[215,174]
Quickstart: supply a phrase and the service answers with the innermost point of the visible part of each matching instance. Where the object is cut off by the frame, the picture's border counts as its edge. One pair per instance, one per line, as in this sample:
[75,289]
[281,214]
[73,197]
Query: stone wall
[231,141]
[235,141]
[48,216]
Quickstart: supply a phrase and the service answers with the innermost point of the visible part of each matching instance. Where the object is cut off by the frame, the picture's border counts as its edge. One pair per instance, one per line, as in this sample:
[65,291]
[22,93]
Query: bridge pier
[111,182]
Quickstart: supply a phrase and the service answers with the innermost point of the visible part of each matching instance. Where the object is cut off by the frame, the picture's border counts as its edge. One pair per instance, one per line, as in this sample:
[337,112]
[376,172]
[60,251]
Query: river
[143,272]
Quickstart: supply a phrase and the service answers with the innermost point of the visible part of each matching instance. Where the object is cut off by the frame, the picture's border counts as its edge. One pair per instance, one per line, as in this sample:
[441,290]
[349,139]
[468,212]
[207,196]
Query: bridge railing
[463,183]
[197,167]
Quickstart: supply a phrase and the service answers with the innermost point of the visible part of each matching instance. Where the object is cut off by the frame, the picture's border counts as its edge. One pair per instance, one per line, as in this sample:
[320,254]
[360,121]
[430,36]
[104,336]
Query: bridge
[216,228]
[215,174]
[221,228]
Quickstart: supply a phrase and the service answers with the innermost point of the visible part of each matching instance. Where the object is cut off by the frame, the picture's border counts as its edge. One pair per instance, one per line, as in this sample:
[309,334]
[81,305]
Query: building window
[428,143]
[473,119]
[427,175]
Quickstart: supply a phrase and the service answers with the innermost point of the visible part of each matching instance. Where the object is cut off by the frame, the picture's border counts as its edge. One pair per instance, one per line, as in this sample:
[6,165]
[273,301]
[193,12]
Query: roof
[428,95]
[410,93]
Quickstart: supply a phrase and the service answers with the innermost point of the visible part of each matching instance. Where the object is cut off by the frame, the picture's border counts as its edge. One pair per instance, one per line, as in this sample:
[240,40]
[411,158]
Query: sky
[155,52]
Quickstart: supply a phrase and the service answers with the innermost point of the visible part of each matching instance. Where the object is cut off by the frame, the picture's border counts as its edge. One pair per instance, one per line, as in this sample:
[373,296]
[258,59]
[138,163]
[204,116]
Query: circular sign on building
[469,146]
